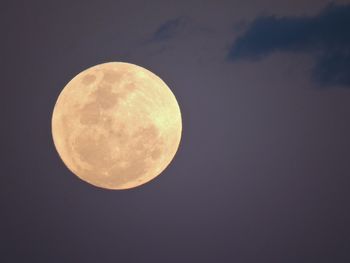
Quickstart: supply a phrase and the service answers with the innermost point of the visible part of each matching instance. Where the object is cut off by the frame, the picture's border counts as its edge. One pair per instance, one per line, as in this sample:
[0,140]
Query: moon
[116,125]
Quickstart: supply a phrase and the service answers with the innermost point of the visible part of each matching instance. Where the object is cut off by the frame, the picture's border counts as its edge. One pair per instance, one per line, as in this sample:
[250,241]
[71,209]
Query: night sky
[262,172]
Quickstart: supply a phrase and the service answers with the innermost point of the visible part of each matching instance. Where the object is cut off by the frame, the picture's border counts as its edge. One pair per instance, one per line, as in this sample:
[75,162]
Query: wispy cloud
[326,36]
[169,29]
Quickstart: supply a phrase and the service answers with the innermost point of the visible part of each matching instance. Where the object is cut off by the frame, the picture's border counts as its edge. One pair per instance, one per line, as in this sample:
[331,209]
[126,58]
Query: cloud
[169,29]
[326,36]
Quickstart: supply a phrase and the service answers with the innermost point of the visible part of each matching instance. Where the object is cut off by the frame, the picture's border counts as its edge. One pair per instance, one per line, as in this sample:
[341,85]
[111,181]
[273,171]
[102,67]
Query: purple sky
[262,173]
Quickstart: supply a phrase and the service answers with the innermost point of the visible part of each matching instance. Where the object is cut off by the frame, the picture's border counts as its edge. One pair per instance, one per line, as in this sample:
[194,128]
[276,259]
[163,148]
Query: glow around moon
[116,125]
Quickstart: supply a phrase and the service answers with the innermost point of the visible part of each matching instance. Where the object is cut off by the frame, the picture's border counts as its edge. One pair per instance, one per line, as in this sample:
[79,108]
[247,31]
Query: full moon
[116,125]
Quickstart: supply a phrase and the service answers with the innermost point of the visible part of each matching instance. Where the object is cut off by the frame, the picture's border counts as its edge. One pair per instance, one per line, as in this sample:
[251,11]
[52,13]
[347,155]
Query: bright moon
[116,125]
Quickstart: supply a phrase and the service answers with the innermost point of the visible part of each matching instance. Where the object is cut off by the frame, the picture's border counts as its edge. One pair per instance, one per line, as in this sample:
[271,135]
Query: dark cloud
[326,36]
[333,68]
[169,29]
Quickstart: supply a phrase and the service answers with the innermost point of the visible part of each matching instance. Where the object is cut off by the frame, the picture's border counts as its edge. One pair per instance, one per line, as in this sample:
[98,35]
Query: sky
[262,172]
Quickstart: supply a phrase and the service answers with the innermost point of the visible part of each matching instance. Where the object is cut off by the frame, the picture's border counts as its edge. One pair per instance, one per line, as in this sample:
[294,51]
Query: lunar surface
[116,125]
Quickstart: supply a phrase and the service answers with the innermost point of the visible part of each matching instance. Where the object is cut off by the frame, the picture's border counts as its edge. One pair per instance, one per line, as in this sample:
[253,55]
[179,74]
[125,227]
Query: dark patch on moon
[90,113]
[111,76]
[130,86]
[105,97]
[131,165]
[149,132]
[88,79]
[155,153]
